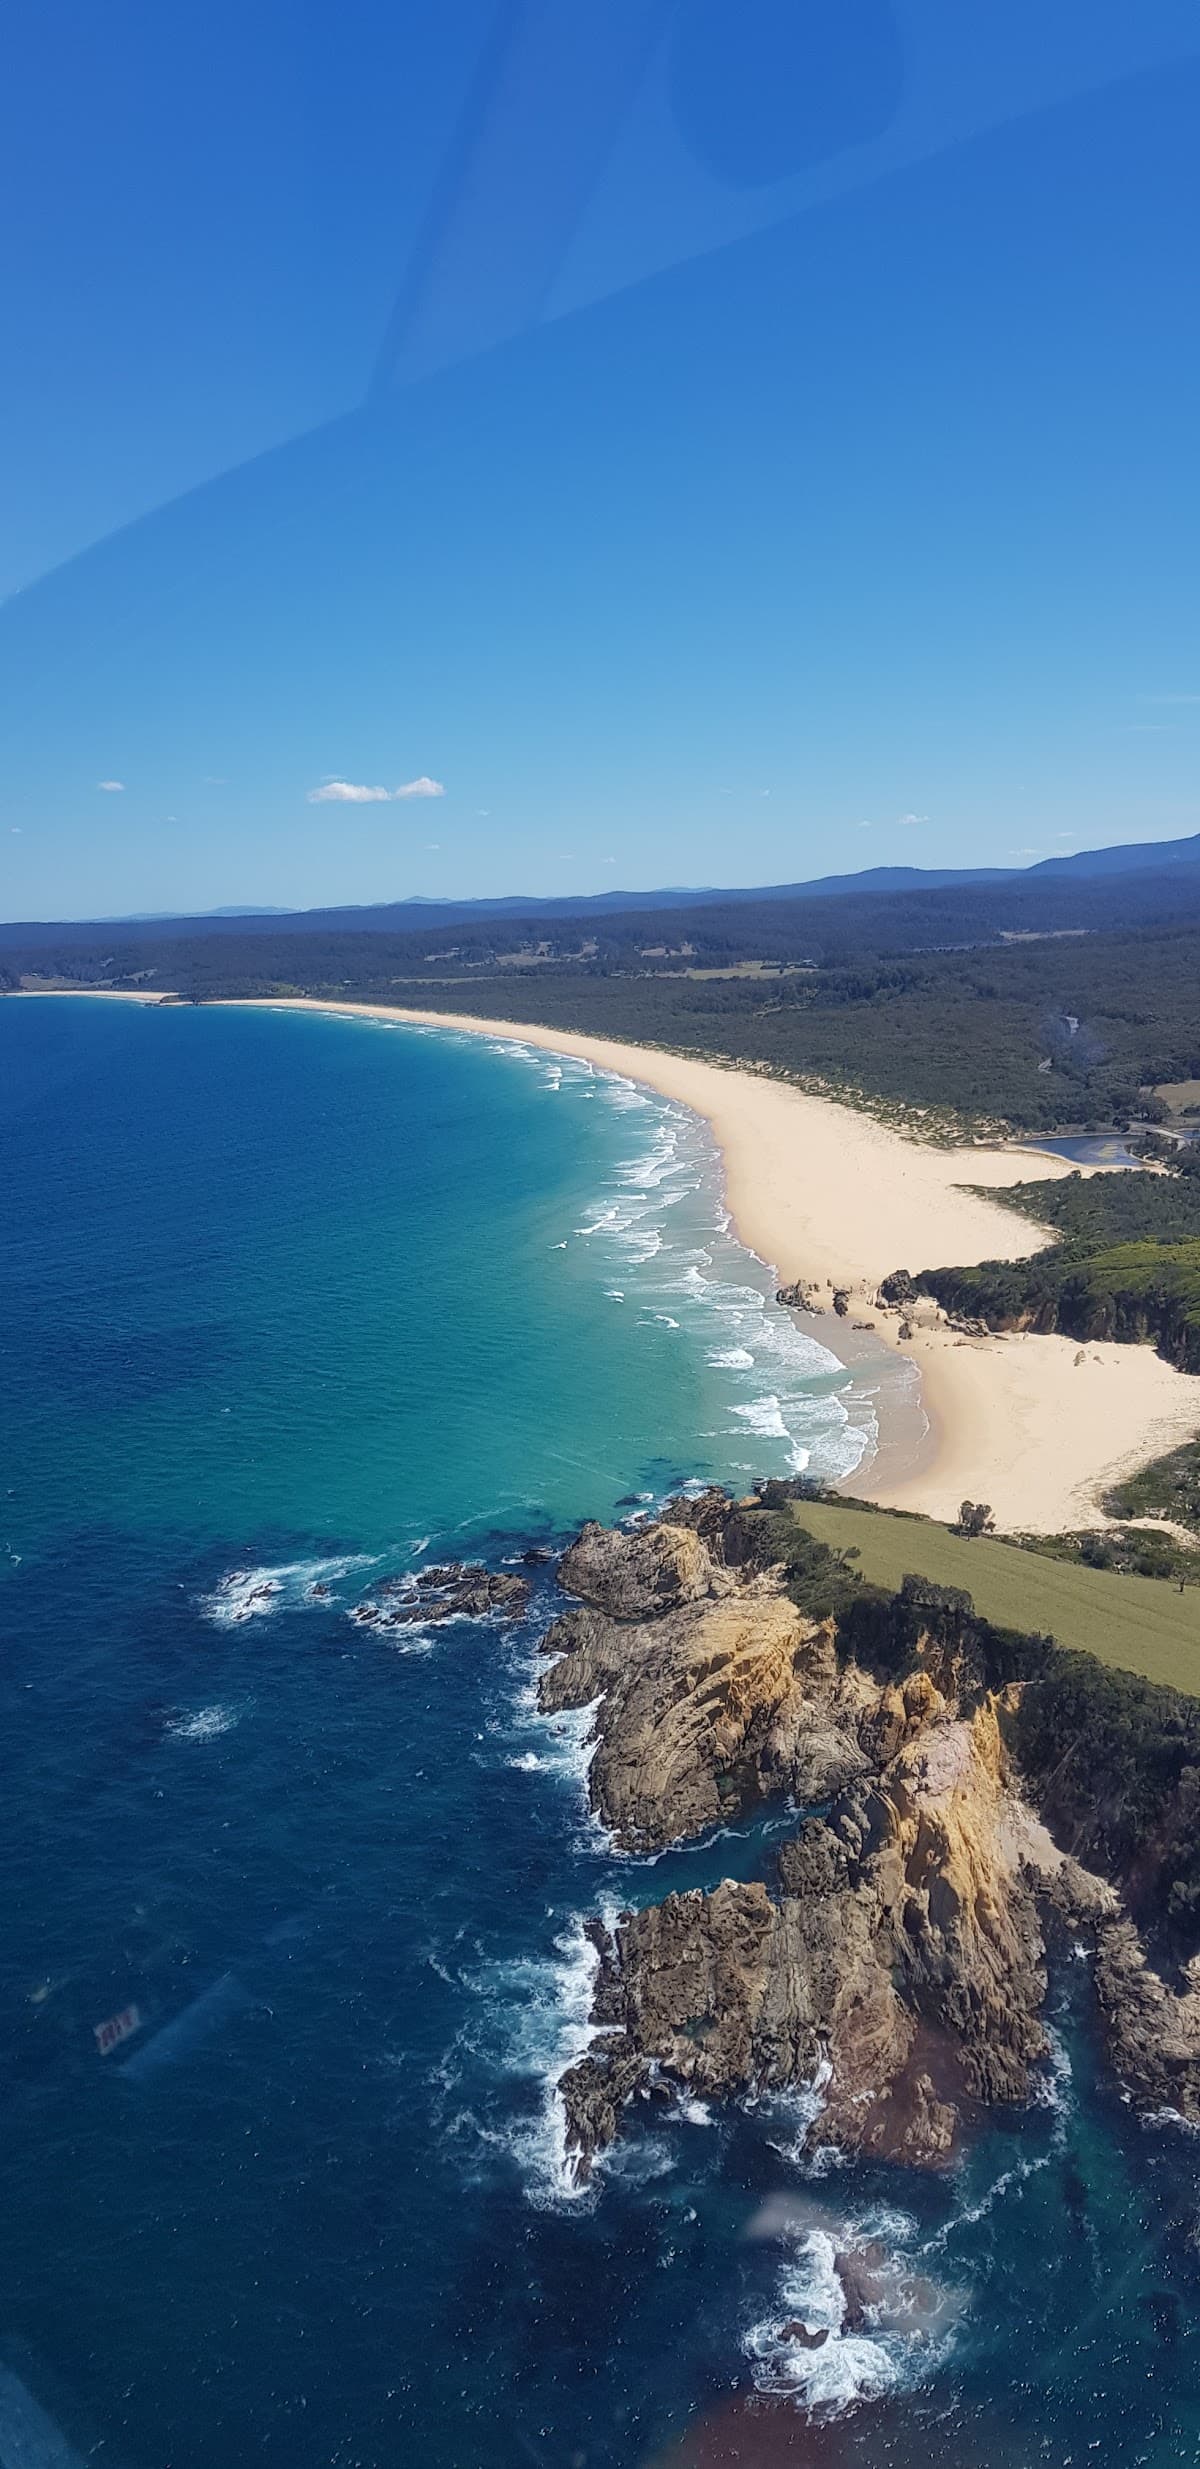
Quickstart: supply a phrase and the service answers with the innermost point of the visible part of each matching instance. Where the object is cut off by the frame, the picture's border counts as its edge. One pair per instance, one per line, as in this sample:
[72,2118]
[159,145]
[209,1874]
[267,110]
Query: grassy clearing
[1137,1624]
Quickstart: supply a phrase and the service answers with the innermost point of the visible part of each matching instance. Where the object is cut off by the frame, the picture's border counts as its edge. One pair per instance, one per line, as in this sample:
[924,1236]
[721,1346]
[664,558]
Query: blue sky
[756,445]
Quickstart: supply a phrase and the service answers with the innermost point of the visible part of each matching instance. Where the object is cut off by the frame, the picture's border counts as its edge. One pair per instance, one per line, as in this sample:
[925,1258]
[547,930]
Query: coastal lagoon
[295,1305]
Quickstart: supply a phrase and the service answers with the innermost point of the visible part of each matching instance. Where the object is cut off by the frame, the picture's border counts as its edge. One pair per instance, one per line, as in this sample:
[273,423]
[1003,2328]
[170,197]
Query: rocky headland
[895,1958]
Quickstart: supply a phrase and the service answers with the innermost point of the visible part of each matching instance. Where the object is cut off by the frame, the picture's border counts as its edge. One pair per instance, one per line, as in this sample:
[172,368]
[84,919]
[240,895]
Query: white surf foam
[252,1594]
[533,2022]
[818,2348]
[207,1723]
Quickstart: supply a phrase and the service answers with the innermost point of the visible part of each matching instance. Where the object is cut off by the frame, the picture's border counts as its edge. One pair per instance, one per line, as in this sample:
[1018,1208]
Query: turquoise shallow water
[294,1302]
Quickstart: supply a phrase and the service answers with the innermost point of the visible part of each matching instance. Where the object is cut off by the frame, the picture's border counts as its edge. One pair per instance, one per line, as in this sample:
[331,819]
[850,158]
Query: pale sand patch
[821,1191]
[91,994]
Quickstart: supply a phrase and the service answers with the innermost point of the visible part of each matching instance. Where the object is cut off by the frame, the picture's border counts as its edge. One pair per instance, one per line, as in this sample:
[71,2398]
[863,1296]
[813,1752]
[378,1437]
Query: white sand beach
[1038,1426]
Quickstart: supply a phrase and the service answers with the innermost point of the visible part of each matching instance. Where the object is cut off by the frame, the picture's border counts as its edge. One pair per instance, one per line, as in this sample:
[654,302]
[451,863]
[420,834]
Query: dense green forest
[1124,1207]
[1124,1794]
[1037,1005]
[1127,1267]
[1133,1291]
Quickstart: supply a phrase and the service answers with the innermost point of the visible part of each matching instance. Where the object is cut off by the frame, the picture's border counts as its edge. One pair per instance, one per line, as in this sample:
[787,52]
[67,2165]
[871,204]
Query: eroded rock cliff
[894,1955]
[711,1690]
[900,1963]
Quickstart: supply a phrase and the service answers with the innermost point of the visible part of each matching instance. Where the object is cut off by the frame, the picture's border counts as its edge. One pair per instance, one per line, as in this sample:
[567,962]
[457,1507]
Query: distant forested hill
[1041,1005]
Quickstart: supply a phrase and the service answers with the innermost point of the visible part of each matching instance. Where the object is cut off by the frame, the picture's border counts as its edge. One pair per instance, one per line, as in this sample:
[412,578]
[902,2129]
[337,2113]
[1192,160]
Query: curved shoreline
[1038,1426]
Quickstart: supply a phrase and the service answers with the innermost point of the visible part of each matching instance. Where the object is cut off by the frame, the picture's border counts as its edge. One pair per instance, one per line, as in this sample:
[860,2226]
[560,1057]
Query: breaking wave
[532,2020]
[855,2316]
[252,1594]
[207,1723]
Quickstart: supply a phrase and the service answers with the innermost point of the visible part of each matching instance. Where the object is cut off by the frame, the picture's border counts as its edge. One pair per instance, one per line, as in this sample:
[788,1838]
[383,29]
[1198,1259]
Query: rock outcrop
[899,1965]
[631,1575]
[454,1590]
[1153,2030]
[893,1958]
[711,1690]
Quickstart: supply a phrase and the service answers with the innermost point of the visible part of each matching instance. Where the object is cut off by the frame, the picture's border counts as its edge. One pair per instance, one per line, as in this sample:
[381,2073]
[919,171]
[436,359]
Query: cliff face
[900,1957]
[714,1691]
[895,1957]
[901,1962]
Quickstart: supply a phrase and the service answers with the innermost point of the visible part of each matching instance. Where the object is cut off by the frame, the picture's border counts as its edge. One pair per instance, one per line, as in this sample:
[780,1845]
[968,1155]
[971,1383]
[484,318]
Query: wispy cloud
[110,785]
[914,818]
[347,793]
[356,793]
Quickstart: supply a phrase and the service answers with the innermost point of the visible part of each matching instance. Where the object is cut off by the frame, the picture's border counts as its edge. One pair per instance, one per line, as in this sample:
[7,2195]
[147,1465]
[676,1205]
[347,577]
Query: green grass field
[1140,1624]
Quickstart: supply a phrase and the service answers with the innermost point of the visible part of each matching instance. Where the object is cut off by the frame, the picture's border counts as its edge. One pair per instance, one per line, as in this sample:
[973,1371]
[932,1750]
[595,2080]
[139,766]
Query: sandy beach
[1038,1426]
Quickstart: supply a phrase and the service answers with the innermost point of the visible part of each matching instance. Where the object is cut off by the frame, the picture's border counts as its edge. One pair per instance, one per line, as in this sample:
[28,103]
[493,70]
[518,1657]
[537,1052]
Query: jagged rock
[704,1708]
[708,1513]
[452,1591]
[897,1958]
[800,1296]
[630,1576]
[1153,2030]
[1077,1894]
[902,1960]
[594,2092]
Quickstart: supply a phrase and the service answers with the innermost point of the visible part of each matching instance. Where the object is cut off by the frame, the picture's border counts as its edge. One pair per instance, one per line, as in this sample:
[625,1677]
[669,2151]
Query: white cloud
[346,793]
[111,785]
[355,793]
[914,818]
[864,827]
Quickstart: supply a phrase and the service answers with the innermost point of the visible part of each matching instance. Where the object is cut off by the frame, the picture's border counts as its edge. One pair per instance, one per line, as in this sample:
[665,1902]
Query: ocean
[293,1947]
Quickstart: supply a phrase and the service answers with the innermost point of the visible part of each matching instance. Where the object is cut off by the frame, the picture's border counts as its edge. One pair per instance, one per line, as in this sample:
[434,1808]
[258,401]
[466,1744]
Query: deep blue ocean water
[295,1302]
